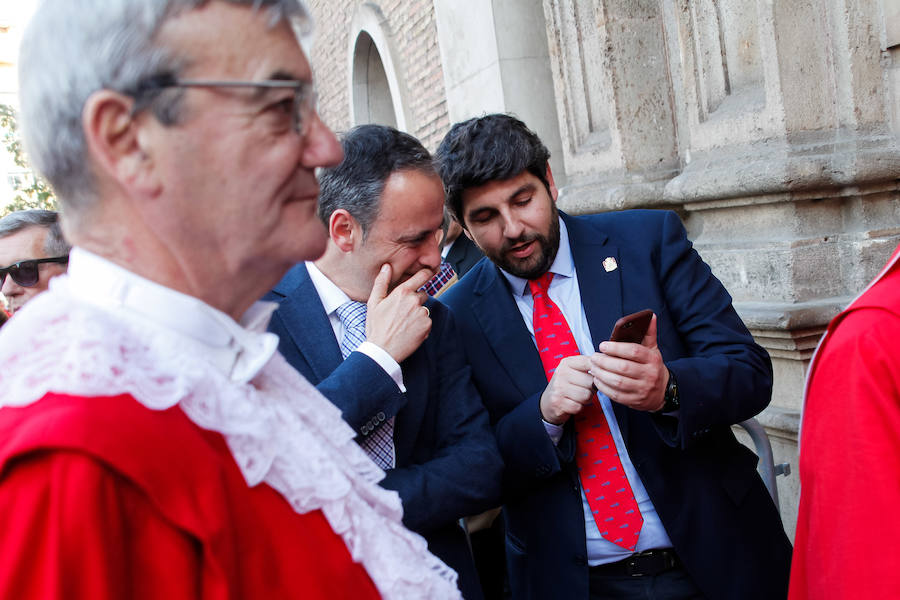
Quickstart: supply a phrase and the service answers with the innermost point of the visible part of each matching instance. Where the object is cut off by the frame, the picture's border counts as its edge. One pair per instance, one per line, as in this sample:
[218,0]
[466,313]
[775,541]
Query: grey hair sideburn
[71,49]
[54,245]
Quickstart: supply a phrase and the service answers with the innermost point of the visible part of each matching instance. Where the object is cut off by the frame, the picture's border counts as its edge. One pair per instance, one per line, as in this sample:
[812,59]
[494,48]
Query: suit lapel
[457,251]
[501,321]
[308,326]
[601,290]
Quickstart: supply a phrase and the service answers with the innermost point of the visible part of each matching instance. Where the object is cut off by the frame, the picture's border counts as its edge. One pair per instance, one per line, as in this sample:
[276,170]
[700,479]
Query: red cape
[105,498]
[847,528]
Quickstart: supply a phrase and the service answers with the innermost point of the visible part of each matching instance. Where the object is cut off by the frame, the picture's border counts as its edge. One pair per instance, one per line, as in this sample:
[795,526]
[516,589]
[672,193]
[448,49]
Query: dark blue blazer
[463,255]
[447,462]
[703,483]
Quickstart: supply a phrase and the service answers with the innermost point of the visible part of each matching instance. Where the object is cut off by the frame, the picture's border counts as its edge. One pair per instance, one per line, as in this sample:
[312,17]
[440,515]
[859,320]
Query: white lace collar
[238,350]
[279,428]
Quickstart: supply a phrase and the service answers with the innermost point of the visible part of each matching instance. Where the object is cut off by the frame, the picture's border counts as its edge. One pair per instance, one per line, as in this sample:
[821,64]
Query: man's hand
[397,322]
[632,374]
[570,389]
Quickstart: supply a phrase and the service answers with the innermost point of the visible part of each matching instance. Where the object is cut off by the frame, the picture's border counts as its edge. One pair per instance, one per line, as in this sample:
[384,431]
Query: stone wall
[770,126]
[406,41]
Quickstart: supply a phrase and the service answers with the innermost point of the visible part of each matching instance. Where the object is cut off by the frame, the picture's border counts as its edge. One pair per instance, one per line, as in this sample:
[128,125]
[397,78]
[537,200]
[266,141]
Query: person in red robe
[153,443]
[846,537]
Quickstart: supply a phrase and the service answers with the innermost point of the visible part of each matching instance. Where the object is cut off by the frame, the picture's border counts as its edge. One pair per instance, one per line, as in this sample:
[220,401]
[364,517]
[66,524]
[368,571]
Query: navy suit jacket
[703,483]
[447,462]
[463,255]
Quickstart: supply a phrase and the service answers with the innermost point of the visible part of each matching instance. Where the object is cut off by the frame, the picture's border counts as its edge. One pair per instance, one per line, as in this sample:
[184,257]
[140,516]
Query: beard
[540,260]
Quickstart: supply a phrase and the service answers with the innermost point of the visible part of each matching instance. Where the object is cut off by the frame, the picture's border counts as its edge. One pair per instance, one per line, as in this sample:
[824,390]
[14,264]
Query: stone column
[495,59]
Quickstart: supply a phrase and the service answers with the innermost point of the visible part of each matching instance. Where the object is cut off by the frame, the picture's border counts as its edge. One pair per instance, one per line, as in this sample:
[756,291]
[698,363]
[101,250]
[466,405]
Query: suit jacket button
[365,429]
[381,417]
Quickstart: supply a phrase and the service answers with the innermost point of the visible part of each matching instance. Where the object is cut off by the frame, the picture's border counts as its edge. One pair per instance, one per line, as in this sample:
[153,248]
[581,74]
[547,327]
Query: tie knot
[541,284]
[352,314]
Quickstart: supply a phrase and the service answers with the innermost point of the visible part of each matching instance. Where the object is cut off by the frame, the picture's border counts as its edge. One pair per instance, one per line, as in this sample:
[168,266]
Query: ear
[116,142]
[344,230]
[554,193]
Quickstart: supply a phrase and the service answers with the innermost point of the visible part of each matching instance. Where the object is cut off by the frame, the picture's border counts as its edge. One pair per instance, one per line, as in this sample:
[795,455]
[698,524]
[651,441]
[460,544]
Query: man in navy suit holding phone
[623,478]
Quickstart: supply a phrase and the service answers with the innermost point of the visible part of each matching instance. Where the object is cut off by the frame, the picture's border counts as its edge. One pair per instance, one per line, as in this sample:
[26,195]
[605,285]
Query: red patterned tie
[603,479]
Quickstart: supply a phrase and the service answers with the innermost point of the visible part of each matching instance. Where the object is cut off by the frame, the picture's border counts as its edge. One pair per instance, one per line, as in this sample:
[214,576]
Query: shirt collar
[446,249]
[563,265]
[331,295]
[238,350]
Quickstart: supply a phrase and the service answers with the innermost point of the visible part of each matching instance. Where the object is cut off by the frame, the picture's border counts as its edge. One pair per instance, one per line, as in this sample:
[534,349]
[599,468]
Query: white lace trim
[279,428]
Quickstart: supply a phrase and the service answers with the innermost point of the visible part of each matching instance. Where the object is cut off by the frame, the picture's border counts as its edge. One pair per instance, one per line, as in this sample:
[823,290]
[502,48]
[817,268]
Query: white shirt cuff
[554,431]
[385,361]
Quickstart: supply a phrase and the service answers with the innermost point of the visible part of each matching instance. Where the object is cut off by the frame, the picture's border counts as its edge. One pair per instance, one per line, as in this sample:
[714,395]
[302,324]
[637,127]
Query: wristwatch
[671,403]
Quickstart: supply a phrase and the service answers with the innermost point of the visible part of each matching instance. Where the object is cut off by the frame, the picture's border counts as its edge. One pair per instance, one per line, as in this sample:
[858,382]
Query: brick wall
[411,26]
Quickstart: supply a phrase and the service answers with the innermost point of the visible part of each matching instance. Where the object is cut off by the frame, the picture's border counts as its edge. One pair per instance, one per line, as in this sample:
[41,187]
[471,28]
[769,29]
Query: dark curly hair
[484,149]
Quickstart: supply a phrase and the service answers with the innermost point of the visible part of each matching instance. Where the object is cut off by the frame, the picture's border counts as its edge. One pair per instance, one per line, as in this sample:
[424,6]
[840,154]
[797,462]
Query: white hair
[73,48]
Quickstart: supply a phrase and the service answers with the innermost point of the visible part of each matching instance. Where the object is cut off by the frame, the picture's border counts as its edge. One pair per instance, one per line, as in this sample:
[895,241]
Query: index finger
[380,287]
[578,362]
[623,350]
[416,281]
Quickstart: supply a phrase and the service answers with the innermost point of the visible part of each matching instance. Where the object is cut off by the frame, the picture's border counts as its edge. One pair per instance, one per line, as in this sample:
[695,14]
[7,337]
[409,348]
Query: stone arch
[378,92]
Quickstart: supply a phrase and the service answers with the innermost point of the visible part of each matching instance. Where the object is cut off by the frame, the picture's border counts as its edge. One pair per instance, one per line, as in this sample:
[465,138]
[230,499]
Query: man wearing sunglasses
[32,250]
[153,443]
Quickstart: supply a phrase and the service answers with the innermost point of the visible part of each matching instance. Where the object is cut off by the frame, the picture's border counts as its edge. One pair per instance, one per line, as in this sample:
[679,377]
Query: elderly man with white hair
[153,443]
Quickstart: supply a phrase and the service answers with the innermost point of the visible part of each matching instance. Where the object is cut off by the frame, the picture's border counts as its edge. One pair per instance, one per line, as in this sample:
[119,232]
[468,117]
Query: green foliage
[31,190]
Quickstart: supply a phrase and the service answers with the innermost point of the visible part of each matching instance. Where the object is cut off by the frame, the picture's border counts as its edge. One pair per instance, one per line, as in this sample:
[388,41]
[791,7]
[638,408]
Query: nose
[512,227]
[321,147]
[431,252]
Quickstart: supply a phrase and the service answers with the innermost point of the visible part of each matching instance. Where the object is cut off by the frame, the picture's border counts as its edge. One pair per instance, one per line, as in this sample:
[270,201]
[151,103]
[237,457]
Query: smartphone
[632,328]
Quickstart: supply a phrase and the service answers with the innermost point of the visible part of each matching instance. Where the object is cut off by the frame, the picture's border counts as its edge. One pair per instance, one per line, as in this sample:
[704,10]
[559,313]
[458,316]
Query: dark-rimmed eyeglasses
[305,96]
[26,272]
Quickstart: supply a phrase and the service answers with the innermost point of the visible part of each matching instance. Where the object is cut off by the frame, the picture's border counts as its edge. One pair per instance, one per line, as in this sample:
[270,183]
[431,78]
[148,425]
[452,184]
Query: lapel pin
[610,264]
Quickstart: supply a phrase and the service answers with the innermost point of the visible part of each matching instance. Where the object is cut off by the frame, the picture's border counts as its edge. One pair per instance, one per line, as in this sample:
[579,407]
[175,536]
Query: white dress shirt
[564,292]
[332,298]
[238,350]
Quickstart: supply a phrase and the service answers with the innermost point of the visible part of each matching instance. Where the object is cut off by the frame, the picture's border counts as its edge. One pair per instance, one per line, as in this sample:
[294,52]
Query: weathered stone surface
[786,164]
[771,126]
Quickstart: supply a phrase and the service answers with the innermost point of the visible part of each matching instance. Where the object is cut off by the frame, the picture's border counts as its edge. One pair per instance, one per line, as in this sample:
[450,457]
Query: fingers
[570,389]
[635,383]
[380,287]
[397,321]
[615,386]
[416,281]
[577,363]
[631,351]
[649,340]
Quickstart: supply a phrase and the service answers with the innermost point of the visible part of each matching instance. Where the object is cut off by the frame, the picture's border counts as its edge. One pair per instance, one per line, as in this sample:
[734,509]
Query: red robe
[848,529]
[104,498]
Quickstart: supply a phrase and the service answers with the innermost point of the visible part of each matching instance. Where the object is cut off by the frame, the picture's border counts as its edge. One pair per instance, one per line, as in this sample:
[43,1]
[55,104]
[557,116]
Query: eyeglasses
[305,96]
[25,272]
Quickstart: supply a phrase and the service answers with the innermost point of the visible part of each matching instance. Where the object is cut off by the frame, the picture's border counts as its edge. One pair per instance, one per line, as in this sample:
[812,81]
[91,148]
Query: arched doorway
[372,102]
